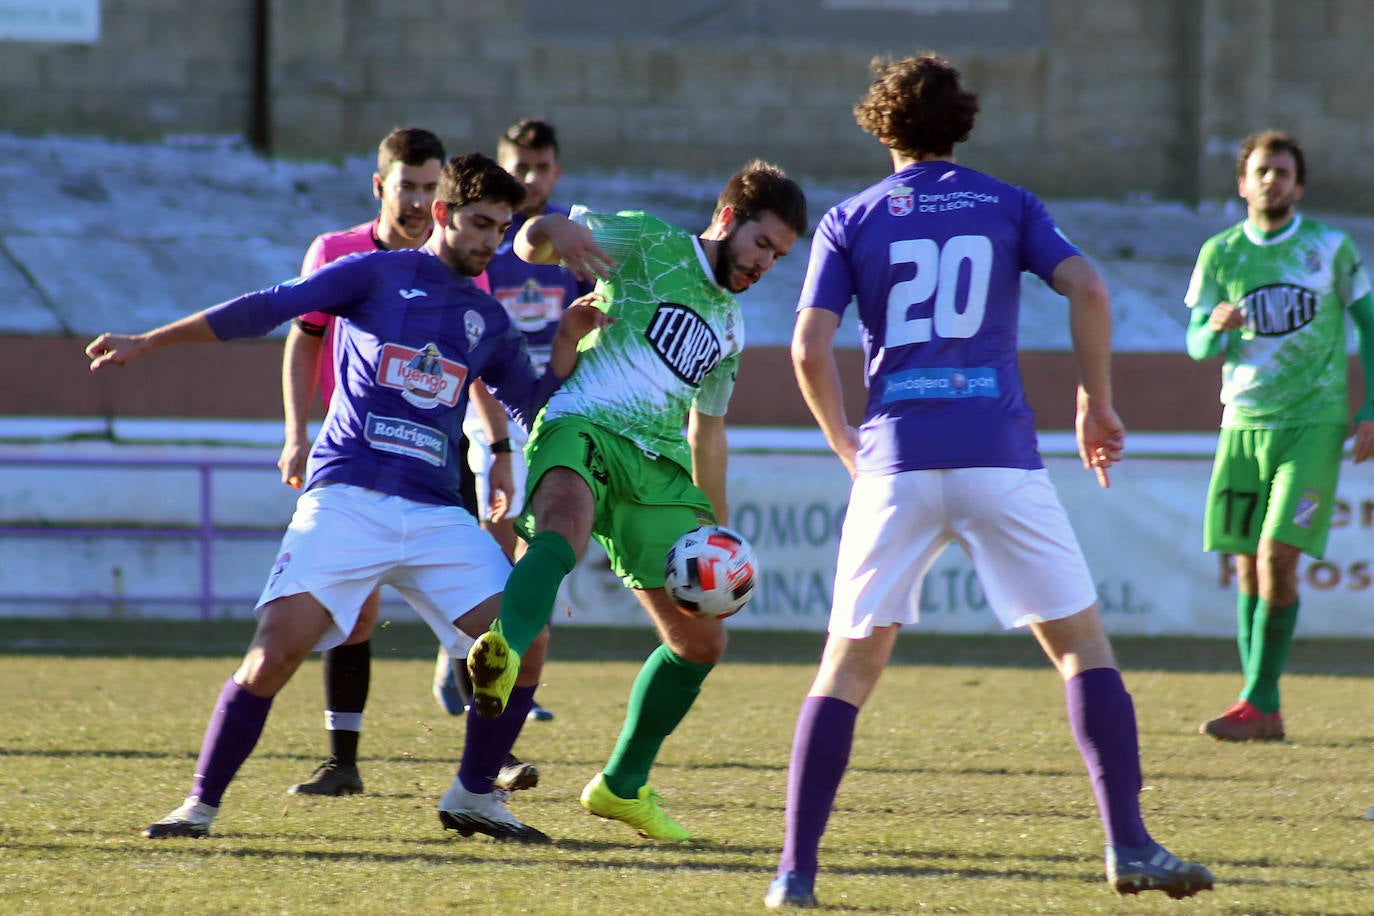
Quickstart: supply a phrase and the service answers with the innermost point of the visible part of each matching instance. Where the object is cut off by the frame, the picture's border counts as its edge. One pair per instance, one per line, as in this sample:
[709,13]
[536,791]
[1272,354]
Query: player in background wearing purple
[409,160]
[535,296]
[382,503]
[947,453]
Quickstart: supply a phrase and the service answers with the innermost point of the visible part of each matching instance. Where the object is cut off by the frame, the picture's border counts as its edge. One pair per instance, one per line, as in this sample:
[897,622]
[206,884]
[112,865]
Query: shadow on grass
[146,638]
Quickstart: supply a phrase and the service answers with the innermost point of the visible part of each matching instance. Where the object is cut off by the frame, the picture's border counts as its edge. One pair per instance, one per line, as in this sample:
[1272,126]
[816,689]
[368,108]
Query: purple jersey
[535,295]
[412,334]
[933,254]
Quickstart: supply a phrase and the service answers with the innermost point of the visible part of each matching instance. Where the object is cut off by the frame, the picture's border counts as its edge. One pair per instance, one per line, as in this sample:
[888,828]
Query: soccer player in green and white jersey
[1271,294]
[607,458]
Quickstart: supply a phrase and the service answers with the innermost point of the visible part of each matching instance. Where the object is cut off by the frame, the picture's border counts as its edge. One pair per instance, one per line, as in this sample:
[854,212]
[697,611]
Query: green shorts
[1278,484]
[643,504]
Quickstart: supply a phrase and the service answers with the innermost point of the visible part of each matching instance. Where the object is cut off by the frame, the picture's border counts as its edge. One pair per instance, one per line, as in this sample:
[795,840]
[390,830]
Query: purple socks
[1102,718]
[488,741]
[230,736]
[820,753]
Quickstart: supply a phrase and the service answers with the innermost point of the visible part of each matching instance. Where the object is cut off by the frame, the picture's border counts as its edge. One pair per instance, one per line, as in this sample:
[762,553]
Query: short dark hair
[917,106]
[471,177]
[409,146]
[530,133]
[1272,141]
[761,187]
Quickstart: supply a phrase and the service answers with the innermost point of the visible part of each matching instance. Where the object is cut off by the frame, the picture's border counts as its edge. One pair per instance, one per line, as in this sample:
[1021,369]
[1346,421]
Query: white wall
[1142,538]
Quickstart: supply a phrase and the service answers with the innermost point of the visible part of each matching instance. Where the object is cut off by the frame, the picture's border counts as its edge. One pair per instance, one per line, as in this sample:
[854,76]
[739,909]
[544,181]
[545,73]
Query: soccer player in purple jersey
[409,160]
[382,501]
[946,453]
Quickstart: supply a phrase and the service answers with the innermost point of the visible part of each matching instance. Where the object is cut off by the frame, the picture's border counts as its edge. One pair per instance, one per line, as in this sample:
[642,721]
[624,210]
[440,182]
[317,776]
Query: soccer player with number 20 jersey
[946,453]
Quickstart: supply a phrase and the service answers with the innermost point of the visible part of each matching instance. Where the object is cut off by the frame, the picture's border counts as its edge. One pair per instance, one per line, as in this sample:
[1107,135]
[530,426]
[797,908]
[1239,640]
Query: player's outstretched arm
[553,238]
[818,377]
[1100,433]
[121,349]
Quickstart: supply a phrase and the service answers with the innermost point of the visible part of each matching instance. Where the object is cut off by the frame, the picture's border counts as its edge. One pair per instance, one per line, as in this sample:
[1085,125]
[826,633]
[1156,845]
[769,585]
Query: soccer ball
[710,572]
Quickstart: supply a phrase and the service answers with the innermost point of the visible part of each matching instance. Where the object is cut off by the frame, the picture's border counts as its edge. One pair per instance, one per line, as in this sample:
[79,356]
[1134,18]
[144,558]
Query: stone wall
[1107,98]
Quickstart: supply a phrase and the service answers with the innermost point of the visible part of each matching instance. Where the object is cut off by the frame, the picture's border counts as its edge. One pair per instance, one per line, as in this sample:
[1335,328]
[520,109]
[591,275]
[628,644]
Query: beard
[1278,212]
[471,263]
[725,263]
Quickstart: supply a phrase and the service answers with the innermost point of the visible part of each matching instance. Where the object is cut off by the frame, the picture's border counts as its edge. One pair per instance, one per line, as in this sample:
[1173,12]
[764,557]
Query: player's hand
[1101,437]
[1364,440]
[292,460]
[1225,317]
[500,486]
[579,252]
[114,350]
[582,317]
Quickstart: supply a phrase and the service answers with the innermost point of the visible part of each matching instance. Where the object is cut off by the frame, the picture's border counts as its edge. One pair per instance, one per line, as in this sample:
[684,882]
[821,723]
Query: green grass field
[965,793]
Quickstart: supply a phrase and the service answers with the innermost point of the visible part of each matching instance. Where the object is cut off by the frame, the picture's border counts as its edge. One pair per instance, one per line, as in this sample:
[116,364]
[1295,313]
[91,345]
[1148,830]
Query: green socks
[1270,638]
[1245,622]
[527,603]
[665,689]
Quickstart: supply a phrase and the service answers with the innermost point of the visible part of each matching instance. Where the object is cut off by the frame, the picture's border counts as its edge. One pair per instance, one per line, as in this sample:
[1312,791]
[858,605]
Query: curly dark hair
[1272,141]
[916,106]
[761,187]
[471,177]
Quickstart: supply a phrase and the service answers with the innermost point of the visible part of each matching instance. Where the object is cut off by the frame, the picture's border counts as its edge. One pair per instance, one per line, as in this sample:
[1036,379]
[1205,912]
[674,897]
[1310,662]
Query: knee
[268,666]
[704,645]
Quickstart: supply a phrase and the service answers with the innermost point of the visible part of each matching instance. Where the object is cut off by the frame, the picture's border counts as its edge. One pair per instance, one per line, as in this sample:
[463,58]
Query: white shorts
[479,460]
[1009,522]
[345,541]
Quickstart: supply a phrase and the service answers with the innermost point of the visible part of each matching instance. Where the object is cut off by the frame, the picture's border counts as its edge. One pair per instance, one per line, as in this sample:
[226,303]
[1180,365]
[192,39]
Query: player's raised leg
[563,508]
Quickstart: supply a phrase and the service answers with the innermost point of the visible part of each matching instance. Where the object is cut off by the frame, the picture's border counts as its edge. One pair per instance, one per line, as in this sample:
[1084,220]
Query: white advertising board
[1142,538]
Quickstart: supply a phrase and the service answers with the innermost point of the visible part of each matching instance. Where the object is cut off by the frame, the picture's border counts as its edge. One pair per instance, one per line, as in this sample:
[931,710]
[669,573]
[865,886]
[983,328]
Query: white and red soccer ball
[710,571]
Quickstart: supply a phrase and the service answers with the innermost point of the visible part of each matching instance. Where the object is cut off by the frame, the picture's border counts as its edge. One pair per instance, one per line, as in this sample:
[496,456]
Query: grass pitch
[965,792]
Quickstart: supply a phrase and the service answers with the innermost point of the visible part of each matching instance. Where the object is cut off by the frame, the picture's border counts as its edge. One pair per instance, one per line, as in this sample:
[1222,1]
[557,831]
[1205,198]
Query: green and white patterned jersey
[1287,364]
[676,341]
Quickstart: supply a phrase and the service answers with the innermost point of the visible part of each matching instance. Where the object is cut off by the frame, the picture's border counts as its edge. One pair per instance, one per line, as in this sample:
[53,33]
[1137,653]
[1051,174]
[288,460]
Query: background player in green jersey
[1271,294]
[609,459]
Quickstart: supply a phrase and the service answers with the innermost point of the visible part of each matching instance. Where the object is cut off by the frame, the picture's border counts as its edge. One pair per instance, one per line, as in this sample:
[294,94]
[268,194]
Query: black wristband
[501,447]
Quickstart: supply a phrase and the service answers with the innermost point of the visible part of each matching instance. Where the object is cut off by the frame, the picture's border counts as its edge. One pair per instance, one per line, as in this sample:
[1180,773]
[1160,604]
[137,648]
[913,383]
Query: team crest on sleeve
[474,325]
[424,378]
[901,201]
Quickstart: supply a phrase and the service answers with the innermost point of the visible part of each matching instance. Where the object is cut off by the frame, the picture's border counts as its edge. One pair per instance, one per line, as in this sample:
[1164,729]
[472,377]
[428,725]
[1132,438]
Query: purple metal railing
[206,531]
